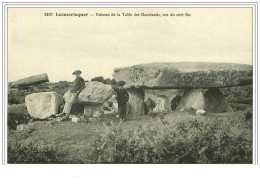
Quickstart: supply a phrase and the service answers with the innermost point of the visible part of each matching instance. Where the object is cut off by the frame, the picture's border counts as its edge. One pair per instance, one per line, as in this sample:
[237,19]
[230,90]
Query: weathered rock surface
[136,102]
[185,75]
[43,105]
[163,104]
[211,100]
[37,79]
[95,93]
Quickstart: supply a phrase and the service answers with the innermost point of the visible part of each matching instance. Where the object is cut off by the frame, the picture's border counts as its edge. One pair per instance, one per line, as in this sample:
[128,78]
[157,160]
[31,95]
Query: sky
[58,45]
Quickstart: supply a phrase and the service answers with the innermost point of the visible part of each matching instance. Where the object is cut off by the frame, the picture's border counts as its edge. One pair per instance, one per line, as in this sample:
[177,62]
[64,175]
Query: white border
[137,177]
[52,5]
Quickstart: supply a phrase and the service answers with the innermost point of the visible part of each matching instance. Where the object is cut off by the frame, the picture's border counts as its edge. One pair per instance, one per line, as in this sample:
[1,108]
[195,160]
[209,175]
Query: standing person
[78,86]
[122,99]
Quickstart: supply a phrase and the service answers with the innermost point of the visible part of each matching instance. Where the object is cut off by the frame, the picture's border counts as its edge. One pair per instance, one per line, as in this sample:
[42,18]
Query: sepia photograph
[130,85]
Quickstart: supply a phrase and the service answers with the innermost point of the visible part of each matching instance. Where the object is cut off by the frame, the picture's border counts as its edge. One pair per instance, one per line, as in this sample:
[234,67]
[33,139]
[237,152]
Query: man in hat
[72,94]
[122,99]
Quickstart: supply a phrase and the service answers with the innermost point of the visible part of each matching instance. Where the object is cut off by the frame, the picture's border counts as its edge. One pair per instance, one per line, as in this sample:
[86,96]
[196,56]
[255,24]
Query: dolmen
[199,80]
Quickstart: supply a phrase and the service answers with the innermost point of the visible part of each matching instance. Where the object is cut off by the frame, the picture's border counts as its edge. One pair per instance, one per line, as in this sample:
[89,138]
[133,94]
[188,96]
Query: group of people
[79,84]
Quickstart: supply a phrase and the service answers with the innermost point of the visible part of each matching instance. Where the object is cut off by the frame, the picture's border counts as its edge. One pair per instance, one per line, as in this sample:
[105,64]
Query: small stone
[22,127]
[200,112]
[75,119]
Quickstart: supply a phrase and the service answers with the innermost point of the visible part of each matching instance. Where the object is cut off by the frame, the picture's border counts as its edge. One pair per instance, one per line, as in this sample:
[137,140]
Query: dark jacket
[122,95]
[78,85]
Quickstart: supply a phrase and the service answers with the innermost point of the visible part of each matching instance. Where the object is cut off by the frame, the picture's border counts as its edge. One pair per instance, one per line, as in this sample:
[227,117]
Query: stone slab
[95,93]
[37,79]
[185,75]
[43,105]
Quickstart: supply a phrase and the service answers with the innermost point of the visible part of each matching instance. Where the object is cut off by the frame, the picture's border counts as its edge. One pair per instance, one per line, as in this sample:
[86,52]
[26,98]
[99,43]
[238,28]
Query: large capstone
[136,102]
[185,75]
[43,105]
[211,100]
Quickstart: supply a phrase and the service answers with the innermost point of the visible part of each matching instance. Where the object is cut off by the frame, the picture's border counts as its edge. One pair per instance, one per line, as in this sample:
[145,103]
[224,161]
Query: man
[78,86]
[122,99]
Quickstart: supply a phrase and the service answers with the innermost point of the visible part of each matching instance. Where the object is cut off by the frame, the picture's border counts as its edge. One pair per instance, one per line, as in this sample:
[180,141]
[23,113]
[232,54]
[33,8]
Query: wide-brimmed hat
[76,72]
[121,83]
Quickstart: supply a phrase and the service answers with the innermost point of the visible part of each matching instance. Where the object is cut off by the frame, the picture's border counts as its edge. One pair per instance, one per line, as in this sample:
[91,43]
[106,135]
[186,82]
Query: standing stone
[164,99]
[136,102]
[162,104]
[175,102]
[149,106]
[192,98]
[43,105]
[211,100]
[215,101]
